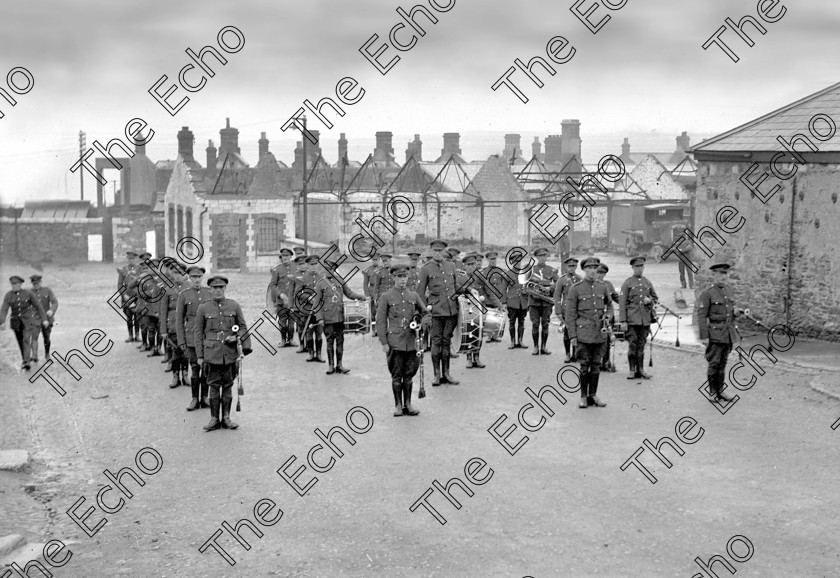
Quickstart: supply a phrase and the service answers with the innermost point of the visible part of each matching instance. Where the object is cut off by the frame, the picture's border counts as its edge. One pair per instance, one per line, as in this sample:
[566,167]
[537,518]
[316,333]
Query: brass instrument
[534,289]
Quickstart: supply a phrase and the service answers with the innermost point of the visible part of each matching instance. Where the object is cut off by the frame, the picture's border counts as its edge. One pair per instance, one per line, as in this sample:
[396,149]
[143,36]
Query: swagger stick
[240,391]
[418,343]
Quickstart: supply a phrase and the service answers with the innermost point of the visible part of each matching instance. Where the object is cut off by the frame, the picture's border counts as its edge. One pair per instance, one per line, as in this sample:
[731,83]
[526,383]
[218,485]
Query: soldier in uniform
[471,262]
[154,291]
[141,303]
[437,287]
[299,252]
[716,314]
[50,305]
[216,347]
[284,285]
[128,297]
[586,309]
[565,283]
[314,337]
[26,316]
[517,309]
[606,364]
[686,270]
[383,279]
[185,311]
[397,308]
[413,270]
[329,297]
[565,248]
[539,310]
[499,283]
[168,326]
[636,314]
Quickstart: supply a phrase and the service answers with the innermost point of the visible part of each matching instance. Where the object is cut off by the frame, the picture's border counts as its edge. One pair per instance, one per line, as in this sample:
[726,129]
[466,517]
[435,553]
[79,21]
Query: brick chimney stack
[553,149]
[229,140]
[451,144]
[570,136]
[263,144]
[211,155]
[512,146]
[683,142]
[415,149]
[536,148]
[140,149]
[625,150]
[342,148]
[185,143]
[384,142]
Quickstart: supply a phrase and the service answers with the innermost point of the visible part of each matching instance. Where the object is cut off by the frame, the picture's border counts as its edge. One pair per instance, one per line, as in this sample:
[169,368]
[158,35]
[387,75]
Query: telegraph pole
[303,189]
[82,145]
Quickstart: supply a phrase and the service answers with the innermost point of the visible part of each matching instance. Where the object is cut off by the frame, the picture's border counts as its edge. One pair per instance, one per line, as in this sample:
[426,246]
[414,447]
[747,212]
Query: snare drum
[495,322]
[357,316]
[470,329]
[617,332]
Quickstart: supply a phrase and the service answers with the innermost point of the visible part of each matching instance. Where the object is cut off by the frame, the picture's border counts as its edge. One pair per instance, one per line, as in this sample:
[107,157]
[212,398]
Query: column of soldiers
[28,317]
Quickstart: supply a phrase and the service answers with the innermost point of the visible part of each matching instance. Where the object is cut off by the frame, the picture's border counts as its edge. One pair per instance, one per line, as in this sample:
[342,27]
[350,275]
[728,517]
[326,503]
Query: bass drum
[495,323]
[470,329]
[357,316]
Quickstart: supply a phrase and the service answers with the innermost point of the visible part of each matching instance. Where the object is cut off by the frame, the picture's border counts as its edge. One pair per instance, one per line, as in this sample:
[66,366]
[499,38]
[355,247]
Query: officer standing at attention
[216,348]
[185,311]
[539,310]
[565,283]
[517,309]
[300,270]
[437,288]
[128,296]
[383,279]
[168,326]
[413,270]
[50,305]
[329,298]
[606,365]
[314,337]
[283,285]
[471,262]
[586,306]
[397,308]
[27,315]
[716,314]
[636,314]
[140,302]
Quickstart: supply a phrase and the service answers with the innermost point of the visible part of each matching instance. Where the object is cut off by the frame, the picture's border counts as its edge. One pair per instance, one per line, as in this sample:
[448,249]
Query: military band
[540,302]
[329,298]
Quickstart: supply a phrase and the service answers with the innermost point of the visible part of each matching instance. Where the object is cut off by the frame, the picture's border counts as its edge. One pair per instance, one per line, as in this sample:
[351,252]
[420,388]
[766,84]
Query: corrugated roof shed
[760,135]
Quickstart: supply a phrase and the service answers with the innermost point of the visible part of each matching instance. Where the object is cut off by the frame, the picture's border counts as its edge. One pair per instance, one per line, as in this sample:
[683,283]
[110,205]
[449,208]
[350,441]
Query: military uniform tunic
[638,317]
[585,307]
[716,322]
[214,321]
[396,310]
[49,303]
[26,317]
[438,287]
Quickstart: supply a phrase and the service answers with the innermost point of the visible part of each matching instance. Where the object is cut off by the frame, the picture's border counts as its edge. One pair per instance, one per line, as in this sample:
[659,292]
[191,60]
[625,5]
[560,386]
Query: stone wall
[47,240]
[129,232]
[765,260]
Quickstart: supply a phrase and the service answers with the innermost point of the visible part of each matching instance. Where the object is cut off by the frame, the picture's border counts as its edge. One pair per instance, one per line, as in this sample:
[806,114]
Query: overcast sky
[93,62]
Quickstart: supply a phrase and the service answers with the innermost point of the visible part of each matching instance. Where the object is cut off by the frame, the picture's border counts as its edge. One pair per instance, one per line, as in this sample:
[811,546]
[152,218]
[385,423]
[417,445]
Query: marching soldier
[397,308]
[186,309]
[716,314]
[517,309]
[329,297]
[437,288]
[50,305]
[128,297]
[301,269]
[540,310]
[217,351]
[314,336]
[586,310]
[565,283]
[413,270]
[26,316]
[636,314]
[606,365]
[168,326]
[284,286]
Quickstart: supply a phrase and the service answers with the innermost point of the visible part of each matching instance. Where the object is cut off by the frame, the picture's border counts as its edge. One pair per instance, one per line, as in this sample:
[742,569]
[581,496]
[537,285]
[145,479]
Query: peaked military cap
[638,260]
[721,266]
[438,243]
[190,270]
[16,279]
[399,270]
[385,255]
[145,255]
[540,252]
[469,258]
[217,281]
[300,259]
[312,259]
[286,251]
[130,253]
[35,277]
[602,268]
[590,262]
[414,254]
[492,255]
[570,260]
[453,251]
[299,250]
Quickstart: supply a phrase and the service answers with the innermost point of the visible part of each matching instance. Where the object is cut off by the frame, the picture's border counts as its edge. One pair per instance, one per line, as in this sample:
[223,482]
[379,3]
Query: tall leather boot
[584,388]
[319,343]
[194,386]
[543,350]
[436,368]
[631,361]
[444,370]
[567,347]
[396,387]
[407,386]
[176,379]
[593,390]
[470,363]
[330,359]
[535,337]
[339,356]
[144,341]
[205,389]
[512,332]
[227,401]
[520,332]
[477,360]
[640,367]
[214,415]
